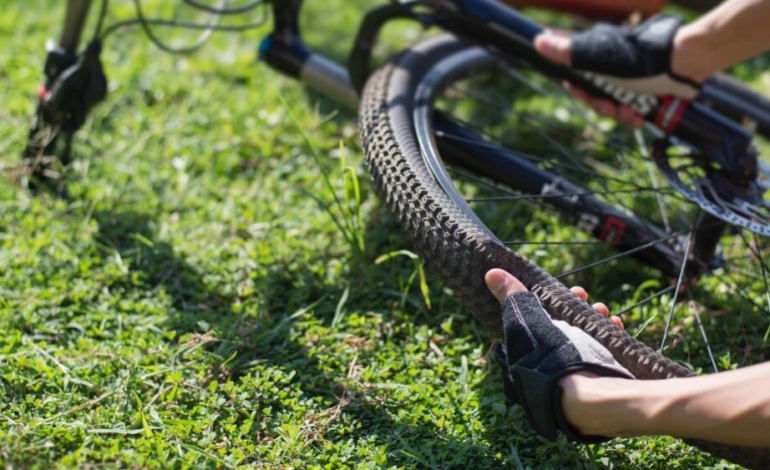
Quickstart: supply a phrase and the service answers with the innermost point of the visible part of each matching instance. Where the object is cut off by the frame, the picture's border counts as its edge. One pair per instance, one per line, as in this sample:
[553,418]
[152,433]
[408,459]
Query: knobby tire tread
[459,251]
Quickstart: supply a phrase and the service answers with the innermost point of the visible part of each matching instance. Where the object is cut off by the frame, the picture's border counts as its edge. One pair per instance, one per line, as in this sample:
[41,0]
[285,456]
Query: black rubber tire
[457,249]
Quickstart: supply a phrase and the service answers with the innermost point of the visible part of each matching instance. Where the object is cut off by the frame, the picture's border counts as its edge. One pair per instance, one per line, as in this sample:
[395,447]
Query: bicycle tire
[458,250]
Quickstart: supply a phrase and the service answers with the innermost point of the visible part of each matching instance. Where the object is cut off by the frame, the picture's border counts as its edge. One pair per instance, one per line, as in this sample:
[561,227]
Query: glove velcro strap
[629,53]
[541,397]
[535,392]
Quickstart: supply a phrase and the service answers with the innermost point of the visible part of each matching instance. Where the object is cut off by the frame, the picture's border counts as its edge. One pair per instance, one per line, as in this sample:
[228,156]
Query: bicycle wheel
[405,139]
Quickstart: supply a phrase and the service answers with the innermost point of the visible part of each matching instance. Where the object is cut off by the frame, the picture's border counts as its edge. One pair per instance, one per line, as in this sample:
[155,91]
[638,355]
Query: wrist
[604,406]
[690,56]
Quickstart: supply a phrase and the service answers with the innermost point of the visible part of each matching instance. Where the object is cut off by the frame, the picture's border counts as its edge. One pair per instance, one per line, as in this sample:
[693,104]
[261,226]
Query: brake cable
[208,28]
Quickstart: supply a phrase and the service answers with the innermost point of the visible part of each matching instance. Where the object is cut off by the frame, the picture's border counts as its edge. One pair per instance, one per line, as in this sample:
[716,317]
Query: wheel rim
[740,271]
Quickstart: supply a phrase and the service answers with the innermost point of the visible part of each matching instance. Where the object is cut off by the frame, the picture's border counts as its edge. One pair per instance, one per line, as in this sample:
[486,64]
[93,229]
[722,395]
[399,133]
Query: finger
[601,308]
[554,46]
[502,284]
[560,32]
[578,93]
[624,114]
[580,292]
[628,117]
[603,106]
[618,322]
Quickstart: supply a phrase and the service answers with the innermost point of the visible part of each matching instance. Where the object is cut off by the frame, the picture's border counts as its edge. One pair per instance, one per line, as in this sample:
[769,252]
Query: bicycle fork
[285,51]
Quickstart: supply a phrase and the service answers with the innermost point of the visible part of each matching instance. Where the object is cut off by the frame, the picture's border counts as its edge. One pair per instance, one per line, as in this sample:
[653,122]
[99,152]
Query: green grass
[225,290]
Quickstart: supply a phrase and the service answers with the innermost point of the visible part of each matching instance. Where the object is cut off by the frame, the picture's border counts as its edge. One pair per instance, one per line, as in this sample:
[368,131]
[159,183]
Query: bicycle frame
[506,33]
[509,34]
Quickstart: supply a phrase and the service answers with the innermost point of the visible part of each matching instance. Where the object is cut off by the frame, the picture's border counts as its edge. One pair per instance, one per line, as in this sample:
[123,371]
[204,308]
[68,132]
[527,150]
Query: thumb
[502,284]
[555,46]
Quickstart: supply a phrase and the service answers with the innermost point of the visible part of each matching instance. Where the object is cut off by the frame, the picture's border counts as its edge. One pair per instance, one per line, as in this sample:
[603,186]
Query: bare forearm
[731,407]
[732,32]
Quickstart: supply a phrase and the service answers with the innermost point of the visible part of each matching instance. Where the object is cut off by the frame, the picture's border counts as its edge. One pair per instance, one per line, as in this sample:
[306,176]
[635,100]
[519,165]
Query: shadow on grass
[270,339]
[154,264]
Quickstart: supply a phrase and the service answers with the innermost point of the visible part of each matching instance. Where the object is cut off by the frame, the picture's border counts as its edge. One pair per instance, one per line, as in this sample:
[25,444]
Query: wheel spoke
[540,242]
[537,124]
[646,300]
[566,100]
[696,317]
[593,173]
[653,177]
[745,295]
[613,167]
[754,251]
[764,282]
[623,254]
[676,292]
[519,197]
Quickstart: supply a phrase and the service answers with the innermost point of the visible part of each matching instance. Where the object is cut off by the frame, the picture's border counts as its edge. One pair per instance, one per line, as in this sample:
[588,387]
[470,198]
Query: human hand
[538,351]
[648,59]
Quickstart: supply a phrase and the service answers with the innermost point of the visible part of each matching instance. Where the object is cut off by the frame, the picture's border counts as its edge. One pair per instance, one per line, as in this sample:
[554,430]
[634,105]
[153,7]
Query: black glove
[636,59]
[536,352]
